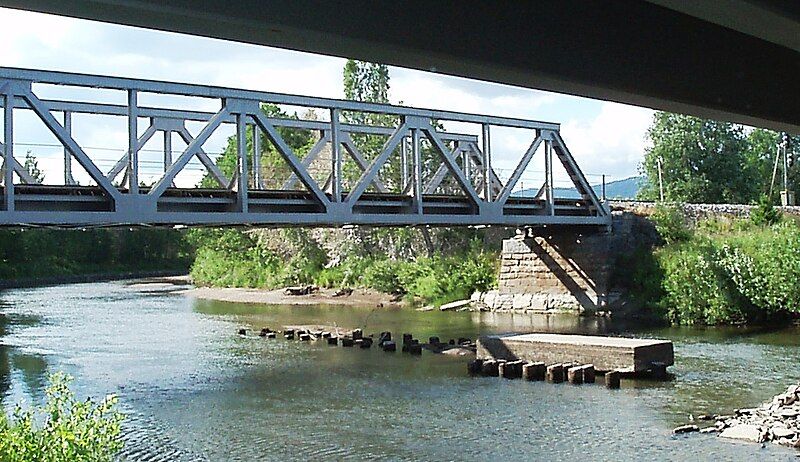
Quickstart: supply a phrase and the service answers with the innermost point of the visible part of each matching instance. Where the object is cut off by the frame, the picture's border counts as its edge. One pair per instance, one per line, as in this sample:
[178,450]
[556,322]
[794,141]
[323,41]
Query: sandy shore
[359,297]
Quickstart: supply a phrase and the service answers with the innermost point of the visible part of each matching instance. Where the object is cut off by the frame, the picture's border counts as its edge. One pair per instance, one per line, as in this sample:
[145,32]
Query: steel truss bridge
[463,190]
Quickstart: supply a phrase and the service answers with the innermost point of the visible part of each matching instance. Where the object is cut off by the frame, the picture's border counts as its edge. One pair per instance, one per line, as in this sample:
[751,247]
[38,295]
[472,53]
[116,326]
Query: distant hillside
[620,189]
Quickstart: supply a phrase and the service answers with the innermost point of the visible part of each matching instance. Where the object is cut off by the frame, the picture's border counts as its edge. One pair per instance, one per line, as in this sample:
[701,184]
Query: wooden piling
[271,335]
[347,342]
[612,379]
[389,346]
[333,340]
[489,368]
[534,371]
[433,340]
[415,349]
[588,373]
[366,342]
[658,370]
[514,369]
[357,334]
[305,337]
[575,375]
[555,373]
[242,331]
[475,366]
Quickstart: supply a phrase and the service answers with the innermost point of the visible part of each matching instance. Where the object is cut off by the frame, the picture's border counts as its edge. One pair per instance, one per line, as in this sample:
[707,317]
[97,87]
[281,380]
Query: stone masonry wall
[563,271]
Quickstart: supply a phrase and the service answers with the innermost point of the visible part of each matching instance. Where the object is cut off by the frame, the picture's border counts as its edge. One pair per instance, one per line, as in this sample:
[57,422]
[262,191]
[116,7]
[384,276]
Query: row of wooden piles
[356,338]
[573,373]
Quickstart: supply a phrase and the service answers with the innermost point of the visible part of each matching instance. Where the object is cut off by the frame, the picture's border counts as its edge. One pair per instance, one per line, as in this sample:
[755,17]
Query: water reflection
[194,390]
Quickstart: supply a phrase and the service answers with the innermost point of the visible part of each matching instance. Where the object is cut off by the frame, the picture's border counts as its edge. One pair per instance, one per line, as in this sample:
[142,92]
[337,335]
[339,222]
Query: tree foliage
[706,161]
[703,161]
[63,429]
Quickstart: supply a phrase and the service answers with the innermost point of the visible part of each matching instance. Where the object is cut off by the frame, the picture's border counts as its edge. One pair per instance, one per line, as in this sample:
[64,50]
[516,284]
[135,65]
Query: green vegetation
[234,258]
[706,161]
[720,272]
[41,253]
[63,429]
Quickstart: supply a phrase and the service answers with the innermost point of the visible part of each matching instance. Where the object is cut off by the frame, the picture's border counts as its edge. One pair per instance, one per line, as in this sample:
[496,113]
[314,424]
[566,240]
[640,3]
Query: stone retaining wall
[563,271]
[696,212]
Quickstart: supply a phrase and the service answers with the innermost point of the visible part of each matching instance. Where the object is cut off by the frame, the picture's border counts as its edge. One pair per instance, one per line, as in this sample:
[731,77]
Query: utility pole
[659,160]
[787,195]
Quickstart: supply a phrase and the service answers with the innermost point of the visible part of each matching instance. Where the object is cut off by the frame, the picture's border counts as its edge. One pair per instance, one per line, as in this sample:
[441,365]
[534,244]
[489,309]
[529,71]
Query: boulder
[744,432]
[780,431]
[685,429]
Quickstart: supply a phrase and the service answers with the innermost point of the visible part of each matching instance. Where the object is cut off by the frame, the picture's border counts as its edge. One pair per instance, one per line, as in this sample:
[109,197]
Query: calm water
[194,390]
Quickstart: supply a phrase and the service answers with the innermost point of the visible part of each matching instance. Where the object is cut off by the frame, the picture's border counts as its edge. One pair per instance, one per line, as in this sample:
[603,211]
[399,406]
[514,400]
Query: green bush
[670,223]
[63,429]
[765,214]
[724,274]
[696,289]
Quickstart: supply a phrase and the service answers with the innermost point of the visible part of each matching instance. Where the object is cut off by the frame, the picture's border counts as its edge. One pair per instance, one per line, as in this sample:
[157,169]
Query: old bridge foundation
[546,270]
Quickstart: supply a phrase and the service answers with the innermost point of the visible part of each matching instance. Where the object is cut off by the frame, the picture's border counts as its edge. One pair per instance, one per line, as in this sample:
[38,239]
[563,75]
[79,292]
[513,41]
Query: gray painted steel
[474,196]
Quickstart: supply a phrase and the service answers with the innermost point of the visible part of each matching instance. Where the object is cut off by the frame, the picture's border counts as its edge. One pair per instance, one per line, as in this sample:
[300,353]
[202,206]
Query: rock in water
[685,429]
[745,432]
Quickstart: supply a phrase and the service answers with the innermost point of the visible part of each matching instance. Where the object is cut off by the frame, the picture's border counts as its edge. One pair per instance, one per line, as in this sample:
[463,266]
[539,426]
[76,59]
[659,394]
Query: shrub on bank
[724,273]
[232,258]
[63,429]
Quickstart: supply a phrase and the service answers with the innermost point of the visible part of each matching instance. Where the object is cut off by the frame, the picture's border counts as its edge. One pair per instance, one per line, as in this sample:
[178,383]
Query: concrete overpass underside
[735,60]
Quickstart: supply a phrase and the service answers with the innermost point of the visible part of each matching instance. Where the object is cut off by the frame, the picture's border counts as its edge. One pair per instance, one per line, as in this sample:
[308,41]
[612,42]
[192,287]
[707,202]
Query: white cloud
[612,142]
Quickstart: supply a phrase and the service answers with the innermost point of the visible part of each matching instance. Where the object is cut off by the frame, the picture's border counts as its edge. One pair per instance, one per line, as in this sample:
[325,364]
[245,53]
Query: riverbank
[359,297]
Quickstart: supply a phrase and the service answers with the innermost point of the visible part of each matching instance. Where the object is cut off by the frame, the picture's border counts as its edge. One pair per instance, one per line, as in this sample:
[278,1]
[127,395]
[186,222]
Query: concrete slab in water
[605,353]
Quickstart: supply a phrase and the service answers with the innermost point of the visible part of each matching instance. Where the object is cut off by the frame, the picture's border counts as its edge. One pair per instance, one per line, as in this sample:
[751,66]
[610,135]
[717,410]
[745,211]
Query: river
[194,390]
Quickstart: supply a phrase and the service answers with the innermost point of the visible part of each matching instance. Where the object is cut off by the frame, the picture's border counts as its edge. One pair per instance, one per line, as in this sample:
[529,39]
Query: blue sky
[604,137]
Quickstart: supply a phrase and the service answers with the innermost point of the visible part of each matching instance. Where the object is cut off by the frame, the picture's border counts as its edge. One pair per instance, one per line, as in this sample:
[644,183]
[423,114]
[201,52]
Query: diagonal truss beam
[476,155]
[19,169]
[358,158]
[375,166]
[288,155]
[457,173]
[523,164]
[441,173]
[191,150]
[309,159]
[122,163]
[209,164]
[69,142]
[575,172]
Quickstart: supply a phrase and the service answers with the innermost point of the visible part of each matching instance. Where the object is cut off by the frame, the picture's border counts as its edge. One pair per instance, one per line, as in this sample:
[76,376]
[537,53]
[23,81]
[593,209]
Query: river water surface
[194,390]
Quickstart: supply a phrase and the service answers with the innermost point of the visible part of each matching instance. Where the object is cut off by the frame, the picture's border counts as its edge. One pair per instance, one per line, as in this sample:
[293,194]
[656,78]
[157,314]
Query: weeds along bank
[429,266]
[720,270]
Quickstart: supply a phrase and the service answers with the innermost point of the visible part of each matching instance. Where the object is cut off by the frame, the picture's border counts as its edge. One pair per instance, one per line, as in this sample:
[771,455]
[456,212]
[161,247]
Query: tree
[703,161]
[32,166]
[274,169]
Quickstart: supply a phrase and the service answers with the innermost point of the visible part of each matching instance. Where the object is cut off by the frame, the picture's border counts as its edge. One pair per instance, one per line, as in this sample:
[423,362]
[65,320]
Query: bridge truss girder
[475,195]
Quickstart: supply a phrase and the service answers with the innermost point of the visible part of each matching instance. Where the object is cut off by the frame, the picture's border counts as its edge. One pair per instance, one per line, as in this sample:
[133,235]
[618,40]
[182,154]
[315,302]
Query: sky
[604,137]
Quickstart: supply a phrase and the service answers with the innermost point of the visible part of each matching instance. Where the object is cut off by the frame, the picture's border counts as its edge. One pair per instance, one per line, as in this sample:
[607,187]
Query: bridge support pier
[561,270]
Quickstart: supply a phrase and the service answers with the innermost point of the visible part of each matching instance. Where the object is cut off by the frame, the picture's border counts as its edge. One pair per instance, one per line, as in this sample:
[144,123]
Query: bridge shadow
[583,272]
